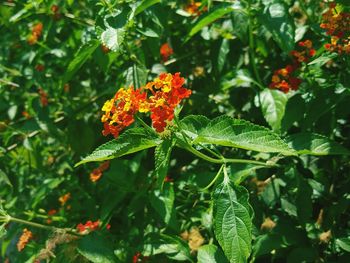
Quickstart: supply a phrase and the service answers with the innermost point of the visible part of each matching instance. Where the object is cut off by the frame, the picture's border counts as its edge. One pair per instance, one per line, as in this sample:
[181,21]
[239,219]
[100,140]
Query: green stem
[215,178]
[41,226]
[252,49]
[222,160]
[145,125]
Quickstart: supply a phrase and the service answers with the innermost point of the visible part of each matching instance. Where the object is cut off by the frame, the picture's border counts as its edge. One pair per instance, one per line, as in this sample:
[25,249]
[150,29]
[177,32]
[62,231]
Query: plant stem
[252,48]
[37,225]
[222,160]
[215,178]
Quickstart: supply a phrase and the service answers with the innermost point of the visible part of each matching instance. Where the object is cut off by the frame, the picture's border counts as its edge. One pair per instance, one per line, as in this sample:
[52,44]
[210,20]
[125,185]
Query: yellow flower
[107,107]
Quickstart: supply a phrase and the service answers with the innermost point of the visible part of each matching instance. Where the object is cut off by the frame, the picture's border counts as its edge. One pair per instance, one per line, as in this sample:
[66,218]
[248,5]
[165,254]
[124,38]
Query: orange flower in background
[39,67]
[36,33]
[193,8]
[337,26]
[26,236]
[283,78]
[166,51]
[305,54]
[43,97]
[56,12]
[96,174]
[26,115]
[64,198]
[88,227]
[159,97]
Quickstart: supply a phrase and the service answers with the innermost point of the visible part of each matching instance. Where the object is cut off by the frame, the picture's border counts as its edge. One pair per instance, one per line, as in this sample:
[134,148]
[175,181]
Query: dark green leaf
[315,144]
[4,178]
[162,159]
[232,220]
[227,131]
[132,140]
[96,249]
[294,112]
[303,200]
[144,5]
[278,21]
[79,59]
[210,17]
[163,201]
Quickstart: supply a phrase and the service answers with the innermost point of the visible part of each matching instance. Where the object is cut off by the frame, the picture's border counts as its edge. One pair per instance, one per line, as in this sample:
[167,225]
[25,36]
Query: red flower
[88,227]
[166,51]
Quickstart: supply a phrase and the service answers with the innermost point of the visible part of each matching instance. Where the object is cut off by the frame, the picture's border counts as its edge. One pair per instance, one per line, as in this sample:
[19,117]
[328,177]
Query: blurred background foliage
[60,60]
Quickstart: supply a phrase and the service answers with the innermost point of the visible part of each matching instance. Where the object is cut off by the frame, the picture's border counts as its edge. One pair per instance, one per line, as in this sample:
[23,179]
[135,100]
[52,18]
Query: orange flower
[96,174]
[166,51]
[43,97]
[88,227]
[64,198]
[337,26]
[26,115]
[39,67]
[26,236]
[36,33]
[159,97]
[193,8]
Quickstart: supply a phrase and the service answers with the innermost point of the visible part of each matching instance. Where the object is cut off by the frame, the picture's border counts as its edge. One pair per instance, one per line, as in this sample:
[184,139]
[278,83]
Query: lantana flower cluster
[337,25]
[193,8]
[166,51]
[97,173]
[37,30]
[90,226]
[26,236]
[159,98]
[284,79]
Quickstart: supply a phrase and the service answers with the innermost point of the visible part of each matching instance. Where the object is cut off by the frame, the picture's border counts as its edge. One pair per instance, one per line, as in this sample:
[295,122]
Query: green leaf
[344,243]
[79,59]
[4,177]
[144,5]
[113,38]
[162,159]
[273,105]
[2,230]
[278,21]
[227,131]
[320,61]
[223,51]
[163,201]
[240,171]
[232,220]
[173,246]
[294,112]
[192,124]
[131,141]
[96,249]
[210,17]
[210,254]
[303,200]
[136,76]
[315,144]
